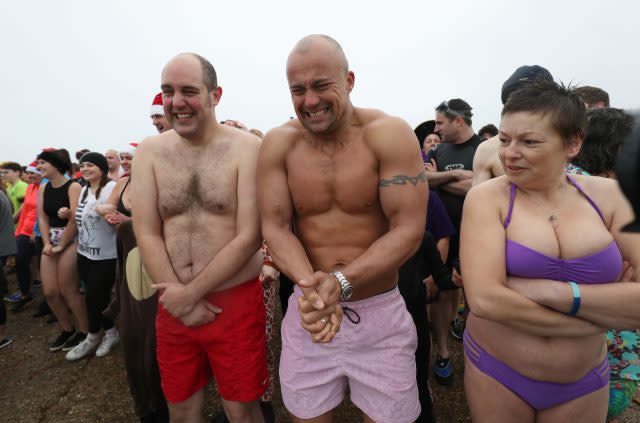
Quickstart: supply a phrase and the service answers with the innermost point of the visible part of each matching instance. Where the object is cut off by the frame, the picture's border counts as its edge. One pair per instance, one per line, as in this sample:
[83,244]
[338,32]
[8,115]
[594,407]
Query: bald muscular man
[352,182]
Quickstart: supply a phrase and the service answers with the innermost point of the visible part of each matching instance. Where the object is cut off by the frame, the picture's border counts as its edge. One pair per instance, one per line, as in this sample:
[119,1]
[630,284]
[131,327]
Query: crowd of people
[177,247]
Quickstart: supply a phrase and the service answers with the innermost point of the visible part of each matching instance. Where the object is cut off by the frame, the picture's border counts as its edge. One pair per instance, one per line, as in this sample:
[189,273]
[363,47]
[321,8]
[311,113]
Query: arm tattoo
[404,179]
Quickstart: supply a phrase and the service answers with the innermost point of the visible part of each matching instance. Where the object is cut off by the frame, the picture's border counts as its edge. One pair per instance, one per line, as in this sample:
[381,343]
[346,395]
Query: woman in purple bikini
[540,253]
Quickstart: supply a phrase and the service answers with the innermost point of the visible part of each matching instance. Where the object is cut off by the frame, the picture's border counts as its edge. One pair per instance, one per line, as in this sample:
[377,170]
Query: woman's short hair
[568,114]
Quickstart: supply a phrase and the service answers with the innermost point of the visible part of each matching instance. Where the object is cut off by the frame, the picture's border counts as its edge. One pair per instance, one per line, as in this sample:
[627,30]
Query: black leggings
[98,277]
[26,250]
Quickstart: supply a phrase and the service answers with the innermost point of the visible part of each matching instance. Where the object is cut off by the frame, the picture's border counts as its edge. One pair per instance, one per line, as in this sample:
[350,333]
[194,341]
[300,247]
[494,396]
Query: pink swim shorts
[375,358]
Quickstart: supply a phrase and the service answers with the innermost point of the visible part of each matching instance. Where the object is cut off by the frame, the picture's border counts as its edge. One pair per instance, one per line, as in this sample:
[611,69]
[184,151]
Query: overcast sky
[82,74]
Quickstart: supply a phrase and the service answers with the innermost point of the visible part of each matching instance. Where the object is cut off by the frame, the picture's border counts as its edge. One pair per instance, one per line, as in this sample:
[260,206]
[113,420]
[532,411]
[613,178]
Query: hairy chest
[196,182]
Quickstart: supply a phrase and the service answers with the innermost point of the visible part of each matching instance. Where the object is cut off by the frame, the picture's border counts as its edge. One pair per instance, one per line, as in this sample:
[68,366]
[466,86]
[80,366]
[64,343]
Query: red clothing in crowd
[28,215]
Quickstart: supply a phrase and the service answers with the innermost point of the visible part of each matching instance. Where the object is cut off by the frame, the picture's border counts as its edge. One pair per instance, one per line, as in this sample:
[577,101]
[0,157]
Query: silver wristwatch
[345,285]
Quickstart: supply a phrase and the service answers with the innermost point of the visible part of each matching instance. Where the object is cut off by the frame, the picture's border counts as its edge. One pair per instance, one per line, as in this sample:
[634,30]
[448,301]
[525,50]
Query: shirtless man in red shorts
[196,222]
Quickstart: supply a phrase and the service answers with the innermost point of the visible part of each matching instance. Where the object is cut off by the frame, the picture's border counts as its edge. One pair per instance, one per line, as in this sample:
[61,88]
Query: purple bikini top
[603,266]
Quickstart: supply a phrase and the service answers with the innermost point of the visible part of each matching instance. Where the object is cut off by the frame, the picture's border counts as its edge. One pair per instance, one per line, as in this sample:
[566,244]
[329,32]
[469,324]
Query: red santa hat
[156,107]
[129,148]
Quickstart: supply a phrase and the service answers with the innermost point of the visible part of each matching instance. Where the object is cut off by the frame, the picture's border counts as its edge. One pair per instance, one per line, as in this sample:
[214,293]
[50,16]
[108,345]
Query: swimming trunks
[373,355]
[232,348]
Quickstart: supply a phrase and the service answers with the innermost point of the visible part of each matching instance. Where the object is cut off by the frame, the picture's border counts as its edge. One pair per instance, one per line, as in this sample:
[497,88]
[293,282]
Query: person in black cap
[522,76]
[486,164]
[96,258]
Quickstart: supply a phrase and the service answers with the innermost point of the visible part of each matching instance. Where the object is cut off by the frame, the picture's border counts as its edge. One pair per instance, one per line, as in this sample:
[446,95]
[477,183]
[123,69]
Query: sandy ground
[39,386]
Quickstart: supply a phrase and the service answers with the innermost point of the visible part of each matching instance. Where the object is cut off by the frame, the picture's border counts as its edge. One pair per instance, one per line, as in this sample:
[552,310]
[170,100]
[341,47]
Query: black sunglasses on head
[444,108]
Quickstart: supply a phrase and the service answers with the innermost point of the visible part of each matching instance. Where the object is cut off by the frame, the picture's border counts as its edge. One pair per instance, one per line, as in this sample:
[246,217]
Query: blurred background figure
[488,131]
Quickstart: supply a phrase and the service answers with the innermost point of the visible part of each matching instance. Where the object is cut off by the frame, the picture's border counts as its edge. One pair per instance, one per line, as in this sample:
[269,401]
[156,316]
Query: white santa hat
[156,107]
[130,148]
[32,168]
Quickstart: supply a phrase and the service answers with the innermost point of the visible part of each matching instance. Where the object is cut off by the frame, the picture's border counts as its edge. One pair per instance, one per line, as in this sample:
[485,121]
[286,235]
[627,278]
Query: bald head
[209,76]
[320,83]
[322,44]
[113,160]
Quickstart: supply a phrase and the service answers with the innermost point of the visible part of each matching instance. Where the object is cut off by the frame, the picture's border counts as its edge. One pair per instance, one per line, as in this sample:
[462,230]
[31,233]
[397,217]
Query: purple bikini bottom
[538,394]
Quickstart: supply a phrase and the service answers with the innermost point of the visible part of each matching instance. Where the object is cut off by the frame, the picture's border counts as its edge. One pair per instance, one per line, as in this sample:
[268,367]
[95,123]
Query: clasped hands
[51,250]
[319,306]
[181,303]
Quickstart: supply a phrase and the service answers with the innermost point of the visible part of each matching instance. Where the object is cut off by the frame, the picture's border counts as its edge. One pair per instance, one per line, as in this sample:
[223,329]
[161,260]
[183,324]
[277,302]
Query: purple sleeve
[438,221]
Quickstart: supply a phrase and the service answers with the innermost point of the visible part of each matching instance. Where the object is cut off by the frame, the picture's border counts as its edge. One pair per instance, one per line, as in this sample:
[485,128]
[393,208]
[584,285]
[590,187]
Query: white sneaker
[82,349]
[108,342]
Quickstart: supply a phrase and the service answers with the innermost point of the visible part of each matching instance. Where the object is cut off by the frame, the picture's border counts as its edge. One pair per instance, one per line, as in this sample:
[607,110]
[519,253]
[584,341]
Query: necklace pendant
[553,219]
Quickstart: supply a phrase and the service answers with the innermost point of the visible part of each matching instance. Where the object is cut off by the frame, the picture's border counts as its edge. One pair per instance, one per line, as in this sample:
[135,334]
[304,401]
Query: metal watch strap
[345,285]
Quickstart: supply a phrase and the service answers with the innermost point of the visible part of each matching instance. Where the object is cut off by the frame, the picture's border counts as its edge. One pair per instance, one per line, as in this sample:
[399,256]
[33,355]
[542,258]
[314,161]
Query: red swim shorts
[232,348]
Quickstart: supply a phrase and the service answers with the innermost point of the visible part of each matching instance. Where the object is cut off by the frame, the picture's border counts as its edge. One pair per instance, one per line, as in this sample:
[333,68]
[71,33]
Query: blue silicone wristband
[576,299]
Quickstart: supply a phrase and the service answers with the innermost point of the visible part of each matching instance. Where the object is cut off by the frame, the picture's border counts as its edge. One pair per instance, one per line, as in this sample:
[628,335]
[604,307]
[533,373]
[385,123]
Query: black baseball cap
[521,76]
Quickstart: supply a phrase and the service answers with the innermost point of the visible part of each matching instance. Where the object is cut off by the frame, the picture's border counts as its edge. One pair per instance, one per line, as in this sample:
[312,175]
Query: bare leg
[189,410]
[49,267]
[243,412]
[324,418]
[491,402]
[69,284]
[591,408]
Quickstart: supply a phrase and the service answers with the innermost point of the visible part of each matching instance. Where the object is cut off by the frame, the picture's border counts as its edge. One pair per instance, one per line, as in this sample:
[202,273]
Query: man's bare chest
[320,183]
[196,184]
